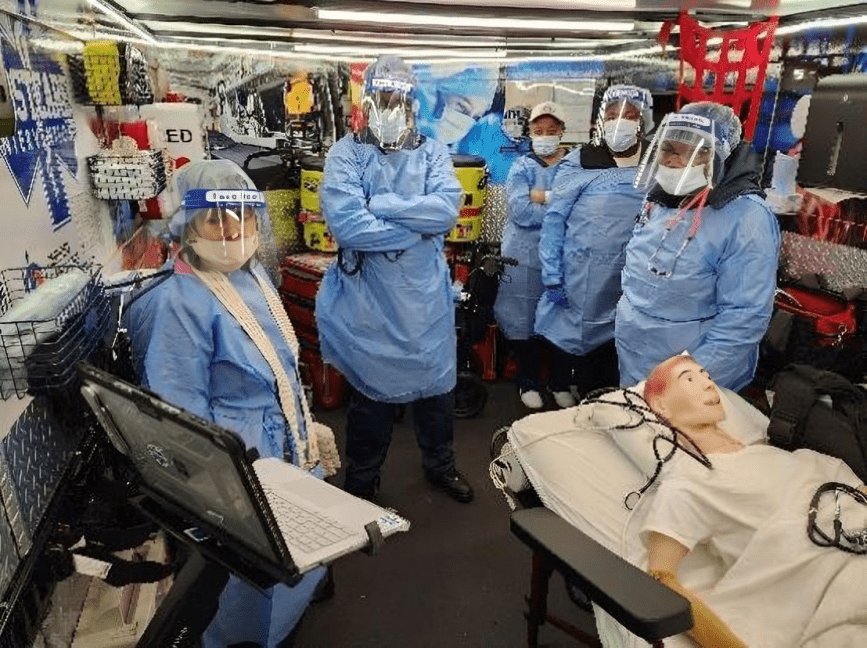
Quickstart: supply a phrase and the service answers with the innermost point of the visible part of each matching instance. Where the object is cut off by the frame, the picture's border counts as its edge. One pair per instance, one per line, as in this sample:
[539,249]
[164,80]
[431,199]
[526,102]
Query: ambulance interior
[89,86]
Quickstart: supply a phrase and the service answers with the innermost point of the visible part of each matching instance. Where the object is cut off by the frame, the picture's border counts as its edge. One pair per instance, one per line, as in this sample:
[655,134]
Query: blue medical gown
[588,222]
[193,353]
[521,285]
[717,301]
[389,328]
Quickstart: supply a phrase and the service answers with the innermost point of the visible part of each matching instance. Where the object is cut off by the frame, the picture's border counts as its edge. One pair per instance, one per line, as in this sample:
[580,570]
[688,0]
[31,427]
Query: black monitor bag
[802,417]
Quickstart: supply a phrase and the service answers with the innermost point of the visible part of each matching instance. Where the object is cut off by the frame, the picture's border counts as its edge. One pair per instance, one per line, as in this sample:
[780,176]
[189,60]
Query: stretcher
[565,475]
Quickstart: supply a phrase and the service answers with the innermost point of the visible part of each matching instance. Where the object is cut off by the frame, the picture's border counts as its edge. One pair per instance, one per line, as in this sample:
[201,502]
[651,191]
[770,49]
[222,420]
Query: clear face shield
[684,158]
[388,107]
[621,124]
[516,123]
[224,234]
[625,115]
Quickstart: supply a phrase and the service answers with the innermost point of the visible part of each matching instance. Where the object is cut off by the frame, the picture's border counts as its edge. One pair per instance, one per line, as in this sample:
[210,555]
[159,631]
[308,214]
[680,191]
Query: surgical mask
[224,256]
[389,125]
[620,134]
[690,179]
[453,125]
[545,144]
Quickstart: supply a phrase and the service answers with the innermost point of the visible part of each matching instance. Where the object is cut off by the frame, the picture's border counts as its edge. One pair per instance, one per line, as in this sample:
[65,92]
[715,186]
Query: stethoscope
[698,201]
[635,403]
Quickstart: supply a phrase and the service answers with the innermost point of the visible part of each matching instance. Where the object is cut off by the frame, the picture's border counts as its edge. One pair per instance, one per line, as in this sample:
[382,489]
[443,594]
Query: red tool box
[300,276]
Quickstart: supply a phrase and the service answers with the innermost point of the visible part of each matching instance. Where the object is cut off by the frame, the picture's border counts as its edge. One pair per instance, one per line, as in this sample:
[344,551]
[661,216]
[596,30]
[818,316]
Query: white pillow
[577,471]
[742,421]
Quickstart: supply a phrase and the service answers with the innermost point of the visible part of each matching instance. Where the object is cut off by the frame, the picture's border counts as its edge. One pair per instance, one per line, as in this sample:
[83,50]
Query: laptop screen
[185,460]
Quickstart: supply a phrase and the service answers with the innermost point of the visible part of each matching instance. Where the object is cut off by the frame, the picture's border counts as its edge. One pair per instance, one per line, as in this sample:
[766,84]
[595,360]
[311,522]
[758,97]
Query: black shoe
[367,492]
[454,484]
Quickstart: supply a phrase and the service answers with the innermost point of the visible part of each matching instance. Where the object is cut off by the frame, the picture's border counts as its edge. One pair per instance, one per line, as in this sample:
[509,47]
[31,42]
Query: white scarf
[225,292]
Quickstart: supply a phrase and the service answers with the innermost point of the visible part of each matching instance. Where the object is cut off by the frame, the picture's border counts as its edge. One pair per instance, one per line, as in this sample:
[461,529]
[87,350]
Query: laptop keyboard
[304,528]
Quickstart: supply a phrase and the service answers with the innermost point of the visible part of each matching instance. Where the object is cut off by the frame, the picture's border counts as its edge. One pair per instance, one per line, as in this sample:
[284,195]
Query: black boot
[454,484]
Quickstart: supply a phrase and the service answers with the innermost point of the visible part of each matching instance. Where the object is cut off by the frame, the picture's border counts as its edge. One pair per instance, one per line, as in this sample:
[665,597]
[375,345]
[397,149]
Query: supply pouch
[822,411]
[831,319]
[812,327]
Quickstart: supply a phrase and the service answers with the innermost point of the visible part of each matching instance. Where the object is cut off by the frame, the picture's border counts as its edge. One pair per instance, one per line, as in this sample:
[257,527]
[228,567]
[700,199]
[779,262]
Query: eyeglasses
[685,155]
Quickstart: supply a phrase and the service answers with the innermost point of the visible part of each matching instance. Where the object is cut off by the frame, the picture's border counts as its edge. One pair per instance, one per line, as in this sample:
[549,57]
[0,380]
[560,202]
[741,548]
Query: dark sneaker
[454,484]
[368,492]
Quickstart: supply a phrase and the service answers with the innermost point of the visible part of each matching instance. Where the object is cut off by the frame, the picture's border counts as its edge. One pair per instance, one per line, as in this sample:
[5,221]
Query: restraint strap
[794,395]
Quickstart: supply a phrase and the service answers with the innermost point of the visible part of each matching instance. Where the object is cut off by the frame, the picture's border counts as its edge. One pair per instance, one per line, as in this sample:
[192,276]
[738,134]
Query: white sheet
[799,588]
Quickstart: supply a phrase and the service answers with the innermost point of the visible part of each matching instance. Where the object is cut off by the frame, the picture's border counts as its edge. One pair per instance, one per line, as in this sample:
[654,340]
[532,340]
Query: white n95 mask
[620,134]
[224,256]
[545,144]
[681,181]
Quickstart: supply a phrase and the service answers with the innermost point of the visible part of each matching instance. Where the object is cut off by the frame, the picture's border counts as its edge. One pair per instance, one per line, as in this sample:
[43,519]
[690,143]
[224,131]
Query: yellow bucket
[472,173]
[318,237]
[312,167]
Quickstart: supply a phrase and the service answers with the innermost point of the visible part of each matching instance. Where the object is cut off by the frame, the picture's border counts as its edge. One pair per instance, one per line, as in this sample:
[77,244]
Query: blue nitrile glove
[557,295]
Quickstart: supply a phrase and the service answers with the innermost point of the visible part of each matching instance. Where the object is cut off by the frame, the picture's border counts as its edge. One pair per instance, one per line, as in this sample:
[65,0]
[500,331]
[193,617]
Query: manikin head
[681,391]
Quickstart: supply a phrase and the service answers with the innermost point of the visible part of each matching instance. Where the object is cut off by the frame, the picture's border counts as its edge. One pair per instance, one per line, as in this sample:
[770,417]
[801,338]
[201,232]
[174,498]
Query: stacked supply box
[316,234]
[301,275]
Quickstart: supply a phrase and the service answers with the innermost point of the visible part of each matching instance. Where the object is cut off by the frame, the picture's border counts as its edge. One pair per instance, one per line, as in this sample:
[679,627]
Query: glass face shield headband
[682,143]
[388,106]
[621,123]
[623,112]
[229,217]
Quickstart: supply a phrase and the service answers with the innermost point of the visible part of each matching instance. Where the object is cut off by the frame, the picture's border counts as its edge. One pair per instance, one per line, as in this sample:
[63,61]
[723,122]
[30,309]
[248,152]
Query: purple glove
[557,295]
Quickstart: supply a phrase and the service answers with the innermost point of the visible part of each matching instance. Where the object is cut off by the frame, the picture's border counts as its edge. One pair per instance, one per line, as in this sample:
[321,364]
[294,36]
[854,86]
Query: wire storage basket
[50,318]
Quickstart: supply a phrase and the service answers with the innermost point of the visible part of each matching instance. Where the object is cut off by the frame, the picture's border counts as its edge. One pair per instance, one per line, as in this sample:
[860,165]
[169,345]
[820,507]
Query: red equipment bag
[832,319]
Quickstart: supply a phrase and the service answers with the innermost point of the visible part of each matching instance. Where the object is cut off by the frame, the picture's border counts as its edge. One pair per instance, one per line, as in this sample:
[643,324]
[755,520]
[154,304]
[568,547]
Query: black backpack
[799,419]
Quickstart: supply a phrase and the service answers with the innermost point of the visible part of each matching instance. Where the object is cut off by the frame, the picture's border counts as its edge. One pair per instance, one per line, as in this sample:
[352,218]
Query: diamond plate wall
[841,266]
[9,555]
[32,460]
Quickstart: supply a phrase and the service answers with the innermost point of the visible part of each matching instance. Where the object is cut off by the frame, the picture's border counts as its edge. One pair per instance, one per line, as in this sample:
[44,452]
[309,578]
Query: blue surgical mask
[620,134]
[453,125]
[545,144]
[681,181]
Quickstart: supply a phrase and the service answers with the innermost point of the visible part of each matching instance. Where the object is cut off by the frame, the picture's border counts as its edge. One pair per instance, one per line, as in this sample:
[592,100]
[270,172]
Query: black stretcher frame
[641,604]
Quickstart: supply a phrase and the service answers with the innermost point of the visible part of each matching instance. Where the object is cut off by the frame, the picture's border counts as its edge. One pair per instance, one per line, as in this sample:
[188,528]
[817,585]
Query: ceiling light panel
[123,19]
[823,23]
[348,50]
[474,22]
